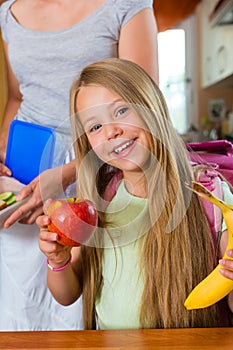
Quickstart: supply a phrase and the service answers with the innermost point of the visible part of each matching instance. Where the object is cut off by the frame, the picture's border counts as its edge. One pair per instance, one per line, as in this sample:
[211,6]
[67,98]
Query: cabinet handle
[208,69]
[222,59]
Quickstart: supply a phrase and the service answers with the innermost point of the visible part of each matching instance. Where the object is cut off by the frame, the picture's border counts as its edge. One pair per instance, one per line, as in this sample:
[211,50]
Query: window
[177,76]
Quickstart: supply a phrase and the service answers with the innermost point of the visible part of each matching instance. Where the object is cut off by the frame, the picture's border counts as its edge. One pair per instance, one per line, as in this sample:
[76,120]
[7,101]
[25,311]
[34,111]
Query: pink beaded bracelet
[58,268]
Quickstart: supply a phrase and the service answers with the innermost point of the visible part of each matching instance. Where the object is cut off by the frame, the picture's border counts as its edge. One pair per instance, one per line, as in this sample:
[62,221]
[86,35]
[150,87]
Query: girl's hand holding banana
[219,282]
[227,265]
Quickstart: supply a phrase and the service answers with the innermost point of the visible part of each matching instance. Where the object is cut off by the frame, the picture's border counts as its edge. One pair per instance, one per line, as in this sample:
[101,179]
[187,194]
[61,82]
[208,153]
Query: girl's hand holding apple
[57,254]
[68,223]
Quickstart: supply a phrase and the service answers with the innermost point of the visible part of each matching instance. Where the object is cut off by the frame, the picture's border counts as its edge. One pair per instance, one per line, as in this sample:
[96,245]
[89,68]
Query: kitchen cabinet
[216,47]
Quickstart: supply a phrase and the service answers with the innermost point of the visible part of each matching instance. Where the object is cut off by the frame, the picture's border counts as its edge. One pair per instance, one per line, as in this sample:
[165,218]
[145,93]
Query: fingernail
[230,253]
[221,262]
[221,271]
[54,237]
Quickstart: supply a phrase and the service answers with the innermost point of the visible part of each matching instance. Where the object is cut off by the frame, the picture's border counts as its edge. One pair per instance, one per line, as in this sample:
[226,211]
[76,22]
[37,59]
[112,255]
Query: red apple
[73,219]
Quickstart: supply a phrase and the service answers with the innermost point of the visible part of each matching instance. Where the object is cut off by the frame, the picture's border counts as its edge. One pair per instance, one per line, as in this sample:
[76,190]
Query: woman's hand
[28,212]
[49,184]
[4,170]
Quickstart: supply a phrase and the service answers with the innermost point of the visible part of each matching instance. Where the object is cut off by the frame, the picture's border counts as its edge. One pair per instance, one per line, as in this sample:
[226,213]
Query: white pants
[25,300]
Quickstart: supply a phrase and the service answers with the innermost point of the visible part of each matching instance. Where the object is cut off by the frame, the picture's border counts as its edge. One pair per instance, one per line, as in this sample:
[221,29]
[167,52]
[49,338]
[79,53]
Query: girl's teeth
[121,148]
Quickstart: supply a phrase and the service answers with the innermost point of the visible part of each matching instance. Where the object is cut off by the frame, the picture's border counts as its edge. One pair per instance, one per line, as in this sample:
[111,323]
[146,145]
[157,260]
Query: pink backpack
[212,181]
[217,153]
[214,158]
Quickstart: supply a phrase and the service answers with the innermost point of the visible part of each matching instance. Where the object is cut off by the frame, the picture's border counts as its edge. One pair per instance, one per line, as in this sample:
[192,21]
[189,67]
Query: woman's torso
[46,63]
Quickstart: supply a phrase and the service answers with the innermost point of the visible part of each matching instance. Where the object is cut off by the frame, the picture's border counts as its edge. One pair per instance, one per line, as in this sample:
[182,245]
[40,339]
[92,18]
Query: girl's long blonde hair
[177,252]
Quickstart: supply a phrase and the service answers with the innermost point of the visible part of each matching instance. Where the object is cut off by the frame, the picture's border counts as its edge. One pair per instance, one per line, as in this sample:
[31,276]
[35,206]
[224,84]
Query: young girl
[153,243]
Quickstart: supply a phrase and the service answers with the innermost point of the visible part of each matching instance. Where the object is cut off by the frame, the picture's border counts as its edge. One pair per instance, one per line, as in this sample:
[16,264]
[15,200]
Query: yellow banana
[215,286]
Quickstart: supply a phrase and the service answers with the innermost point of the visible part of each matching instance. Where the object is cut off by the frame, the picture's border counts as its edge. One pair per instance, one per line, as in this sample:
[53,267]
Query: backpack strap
[209,178]
[112,186]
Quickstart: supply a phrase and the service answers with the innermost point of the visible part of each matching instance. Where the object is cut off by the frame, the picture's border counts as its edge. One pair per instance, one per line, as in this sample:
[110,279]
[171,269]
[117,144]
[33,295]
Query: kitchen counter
[160,339]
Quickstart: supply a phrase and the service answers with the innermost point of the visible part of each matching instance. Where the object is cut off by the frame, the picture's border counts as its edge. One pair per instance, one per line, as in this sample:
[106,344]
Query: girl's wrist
[59,266]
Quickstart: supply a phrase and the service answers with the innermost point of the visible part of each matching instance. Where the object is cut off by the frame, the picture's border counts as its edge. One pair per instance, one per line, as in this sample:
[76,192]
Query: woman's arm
[14,99]
[64,284]
[138,42]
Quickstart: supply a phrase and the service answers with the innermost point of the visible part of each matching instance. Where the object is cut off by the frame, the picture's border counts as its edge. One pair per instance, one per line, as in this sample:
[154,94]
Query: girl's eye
[122,111]
[95,127]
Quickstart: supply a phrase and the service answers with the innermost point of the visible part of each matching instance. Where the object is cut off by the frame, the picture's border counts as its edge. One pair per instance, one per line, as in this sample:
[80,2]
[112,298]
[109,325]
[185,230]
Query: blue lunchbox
[30,150]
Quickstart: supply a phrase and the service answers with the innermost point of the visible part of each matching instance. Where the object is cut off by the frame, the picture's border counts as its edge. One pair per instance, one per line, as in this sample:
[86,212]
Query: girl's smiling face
[115,131]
